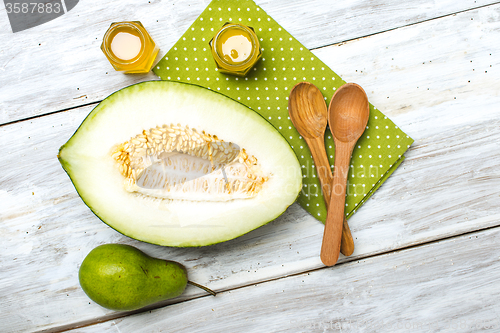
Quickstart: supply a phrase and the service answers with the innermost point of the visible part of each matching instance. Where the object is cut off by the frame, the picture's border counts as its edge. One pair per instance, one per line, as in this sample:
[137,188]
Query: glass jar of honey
[129,47]
[235,48]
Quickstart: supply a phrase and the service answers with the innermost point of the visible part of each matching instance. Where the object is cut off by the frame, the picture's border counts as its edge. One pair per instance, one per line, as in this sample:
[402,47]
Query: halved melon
[179,165]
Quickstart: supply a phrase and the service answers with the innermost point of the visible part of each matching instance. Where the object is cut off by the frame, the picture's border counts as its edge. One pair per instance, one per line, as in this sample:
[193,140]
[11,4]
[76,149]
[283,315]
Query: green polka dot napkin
[265,90]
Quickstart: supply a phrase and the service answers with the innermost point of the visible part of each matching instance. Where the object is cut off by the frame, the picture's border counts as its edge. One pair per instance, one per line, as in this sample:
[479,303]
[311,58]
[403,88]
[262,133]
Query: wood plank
[59,65]
[448,185]
[448,286]
[429,79]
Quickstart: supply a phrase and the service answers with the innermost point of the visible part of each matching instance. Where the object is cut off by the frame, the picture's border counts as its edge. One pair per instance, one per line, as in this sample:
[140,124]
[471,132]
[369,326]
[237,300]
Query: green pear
[121,277]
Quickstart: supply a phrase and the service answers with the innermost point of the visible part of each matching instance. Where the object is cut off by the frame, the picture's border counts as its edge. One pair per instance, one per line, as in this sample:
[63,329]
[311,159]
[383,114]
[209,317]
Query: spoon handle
[318,152]
[322,165]
[332,235]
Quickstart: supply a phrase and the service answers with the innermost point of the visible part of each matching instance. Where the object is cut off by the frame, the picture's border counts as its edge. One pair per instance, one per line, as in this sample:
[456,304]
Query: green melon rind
[66,154]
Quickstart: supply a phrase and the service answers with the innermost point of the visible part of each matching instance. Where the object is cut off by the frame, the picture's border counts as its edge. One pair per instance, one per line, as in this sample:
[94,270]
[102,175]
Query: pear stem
[208,290]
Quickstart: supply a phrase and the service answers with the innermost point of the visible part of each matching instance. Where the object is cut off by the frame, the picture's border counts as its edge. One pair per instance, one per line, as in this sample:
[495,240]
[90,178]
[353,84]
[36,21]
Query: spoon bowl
[309,115]
[349,112]
[348,115]
[307,110]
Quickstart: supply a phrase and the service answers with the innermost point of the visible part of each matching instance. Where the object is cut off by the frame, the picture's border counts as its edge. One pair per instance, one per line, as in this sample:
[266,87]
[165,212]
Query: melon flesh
[179,165]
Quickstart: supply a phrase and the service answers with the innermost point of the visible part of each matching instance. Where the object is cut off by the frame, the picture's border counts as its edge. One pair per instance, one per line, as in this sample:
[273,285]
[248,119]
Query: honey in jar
[129,47]
[235,49]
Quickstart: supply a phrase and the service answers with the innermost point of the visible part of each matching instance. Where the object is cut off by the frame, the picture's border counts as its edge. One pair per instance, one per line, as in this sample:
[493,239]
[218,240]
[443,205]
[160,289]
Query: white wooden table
[427,243]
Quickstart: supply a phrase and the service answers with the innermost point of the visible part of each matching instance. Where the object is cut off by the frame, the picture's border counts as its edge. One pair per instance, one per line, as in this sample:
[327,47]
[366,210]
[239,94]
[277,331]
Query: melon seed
[173,162]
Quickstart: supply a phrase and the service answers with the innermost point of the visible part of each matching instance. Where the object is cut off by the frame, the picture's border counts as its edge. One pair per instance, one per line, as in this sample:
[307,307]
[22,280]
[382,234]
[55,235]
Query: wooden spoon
[308,113]
[347,116]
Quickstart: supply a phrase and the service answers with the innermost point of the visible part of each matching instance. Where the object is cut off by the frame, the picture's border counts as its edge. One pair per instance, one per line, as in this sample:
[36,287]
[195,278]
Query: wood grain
[447,186]
[309,115]
[332,235]
[446,286]
[58,65]
[348,115]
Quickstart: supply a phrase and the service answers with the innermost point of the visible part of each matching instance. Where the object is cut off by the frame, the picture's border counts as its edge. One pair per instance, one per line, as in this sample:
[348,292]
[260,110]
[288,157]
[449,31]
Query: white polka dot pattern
[265,89]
